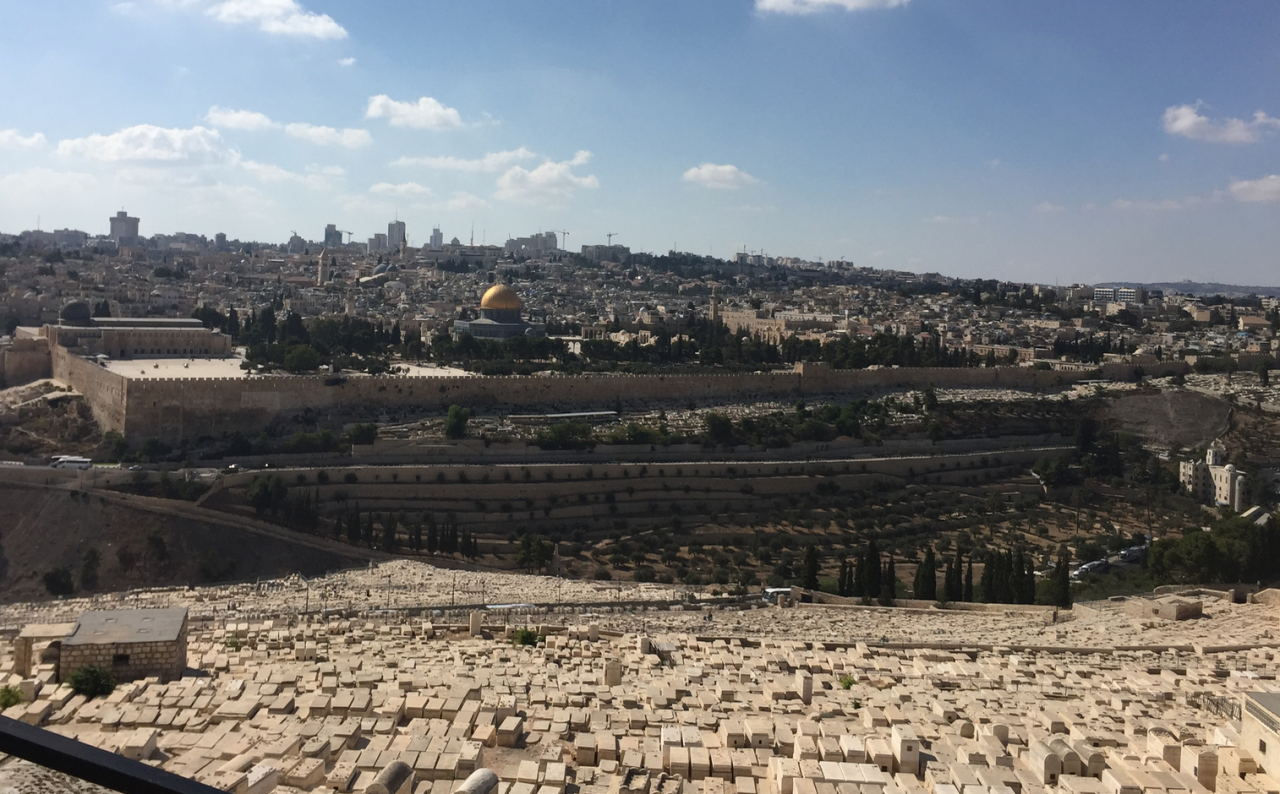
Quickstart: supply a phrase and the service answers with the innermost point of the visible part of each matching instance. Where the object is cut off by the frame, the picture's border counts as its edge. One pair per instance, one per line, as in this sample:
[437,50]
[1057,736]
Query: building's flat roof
[1267,700]
[113,626]
[184,367]
[147,322]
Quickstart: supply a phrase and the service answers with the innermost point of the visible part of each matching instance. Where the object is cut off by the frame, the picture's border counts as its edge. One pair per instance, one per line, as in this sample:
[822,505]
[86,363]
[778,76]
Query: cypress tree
[968,580]
[842,585]
[986,582]
[888,583]
[859,589]
[353,526]
[929,589]
[433,538]
[1062,578]
[811,566]
[389,525]
[338,529]
[873,570]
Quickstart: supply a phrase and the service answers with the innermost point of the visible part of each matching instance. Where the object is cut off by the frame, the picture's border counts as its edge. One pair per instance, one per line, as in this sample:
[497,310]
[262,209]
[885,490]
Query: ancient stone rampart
[172,409]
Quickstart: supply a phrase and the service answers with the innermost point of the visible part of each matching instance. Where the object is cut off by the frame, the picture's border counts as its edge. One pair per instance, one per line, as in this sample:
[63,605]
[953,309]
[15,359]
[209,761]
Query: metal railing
[89,763]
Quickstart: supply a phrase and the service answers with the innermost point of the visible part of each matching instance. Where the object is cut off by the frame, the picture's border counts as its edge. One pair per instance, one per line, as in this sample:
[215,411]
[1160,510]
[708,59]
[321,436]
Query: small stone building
[131,643]
[1165,608]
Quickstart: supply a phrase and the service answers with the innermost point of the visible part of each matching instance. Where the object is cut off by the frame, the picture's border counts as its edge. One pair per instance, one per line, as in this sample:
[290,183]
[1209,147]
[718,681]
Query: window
[120,659]
[1262,746]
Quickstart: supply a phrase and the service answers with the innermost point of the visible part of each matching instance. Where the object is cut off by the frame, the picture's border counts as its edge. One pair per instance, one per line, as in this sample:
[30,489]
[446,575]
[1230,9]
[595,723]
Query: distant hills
[1200,288]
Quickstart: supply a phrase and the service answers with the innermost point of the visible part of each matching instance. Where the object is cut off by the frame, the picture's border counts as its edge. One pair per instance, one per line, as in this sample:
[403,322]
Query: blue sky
[1084,140]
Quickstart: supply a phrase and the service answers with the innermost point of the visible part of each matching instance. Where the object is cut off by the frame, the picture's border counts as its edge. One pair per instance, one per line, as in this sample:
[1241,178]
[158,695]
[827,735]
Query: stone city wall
[25,360]
[178,408]
[103,390]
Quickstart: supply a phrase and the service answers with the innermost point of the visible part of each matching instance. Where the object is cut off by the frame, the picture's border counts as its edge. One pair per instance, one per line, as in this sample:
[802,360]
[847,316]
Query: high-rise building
[395,235]
[378,242]
[124,230]
[332,237]
[220,240]
[437,237]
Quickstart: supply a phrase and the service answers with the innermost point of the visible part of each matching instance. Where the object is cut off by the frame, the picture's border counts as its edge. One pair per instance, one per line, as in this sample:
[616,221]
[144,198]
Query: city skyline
[1088,143]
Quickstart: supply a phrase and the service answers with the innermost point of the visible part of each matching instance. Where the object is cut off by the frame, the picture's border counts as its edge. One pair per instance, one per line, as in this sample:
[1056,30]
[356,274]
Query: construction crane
[564,238]
[349,236]
[611,235]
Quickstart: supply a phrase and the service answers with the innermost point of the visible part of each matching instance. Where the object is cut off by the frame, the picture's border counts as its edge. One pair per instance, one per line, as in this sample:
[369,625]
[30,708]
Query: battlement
[176,408]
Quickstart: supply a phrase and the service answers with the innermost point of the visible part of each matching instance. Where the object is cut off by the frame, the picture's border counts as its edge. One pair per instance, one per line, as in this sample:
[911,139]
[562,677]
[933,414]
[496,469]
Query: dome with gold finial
[500,296]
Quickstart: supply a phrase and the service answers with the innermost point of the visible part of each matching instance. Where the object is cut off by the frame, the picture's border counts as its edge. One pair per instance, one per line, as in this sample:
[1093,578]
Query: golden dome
[500,296]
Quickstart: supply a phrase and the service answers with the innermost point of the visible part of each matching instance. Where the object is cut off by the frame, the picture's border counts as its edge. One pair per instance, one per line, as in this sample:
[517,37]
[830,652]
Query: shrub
[9,697]
[846,681]
[602,574]
[525,637]
[58,582]
[92,681]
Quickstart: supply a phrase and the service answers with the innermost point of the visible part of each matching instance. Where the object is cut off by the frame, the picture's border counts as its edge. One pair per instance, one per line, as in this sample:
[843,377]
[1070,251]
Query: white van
[71,462]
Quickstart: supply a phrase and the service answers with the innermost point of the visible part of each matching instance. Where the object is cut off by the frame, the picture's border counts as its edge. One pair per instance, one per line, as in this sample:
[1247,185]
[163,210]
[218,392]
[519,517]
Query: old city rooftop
[128,626]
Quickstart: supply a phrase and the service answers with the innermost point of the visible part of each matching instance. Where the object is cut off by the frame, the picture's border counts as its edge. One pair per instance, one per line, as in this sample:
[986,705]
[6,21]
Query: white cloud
[270,173]
[719,177]
[1186,120]
[465,201]
[1048,206]
[328,136]
[1257,190]
[548,183]
[941,219]
[814,6]
[146,142]
[491,162]
[1165,205]
[346,61]
[239,119]
[403,189]
[425,114]
[993,163]
[12,139]
[326,170]
[283,17]
[1164,158]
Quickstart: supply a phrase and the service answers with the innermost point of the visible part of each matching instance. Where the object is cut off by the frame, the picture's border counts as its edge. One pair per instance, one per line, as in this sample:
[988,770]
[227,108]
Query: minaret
[715,306]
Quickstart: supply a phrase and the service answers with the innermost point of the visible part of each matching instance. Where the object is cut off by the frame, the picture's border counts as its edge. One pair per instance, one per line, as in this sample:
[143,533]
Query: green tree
[1062,578]
[89,569]
[389,525]
[719,428]
[535,553]
[871,565]
[301,358]
[58,582]
[455,423]
[888,583]
[811,565]
[92,682]
[353,526]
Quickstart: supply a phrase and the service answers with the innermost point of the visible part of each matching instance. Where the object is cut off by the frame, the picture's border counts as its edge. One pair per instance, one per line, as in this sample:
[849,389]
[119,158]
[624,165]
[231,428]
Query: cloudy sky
[1051,141]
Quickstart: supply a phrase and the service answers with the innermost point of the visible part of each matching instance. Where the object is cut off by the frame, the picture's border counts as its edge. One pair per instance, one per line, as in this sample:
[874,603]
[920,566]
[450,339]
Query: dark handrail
[86,762]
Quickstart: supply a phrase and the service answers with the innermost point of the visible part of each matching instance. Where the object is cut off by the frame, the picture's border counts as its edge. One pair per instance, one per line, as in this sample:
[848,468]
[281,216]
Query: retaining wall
[174,409]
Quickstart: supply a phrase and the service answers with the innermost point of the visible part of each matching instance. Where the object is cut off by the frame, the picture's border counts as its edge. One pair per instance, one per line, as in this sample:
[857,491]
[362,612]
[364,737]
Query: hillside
[47,528]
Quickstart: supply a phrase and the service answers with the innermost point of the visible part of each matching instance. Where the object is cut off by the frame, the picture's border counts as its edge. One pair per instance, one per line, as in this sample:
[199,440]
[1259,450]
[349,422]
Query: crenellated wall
[25,360]
[174,409]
